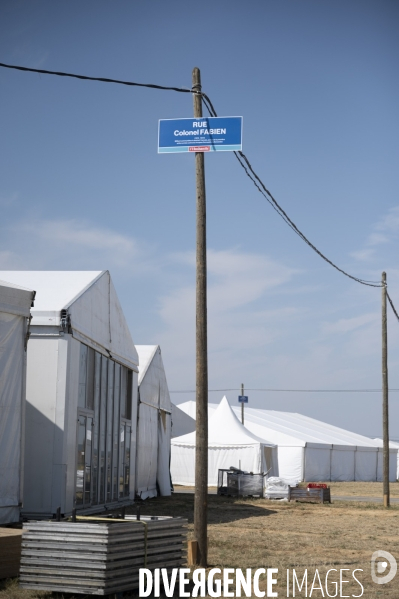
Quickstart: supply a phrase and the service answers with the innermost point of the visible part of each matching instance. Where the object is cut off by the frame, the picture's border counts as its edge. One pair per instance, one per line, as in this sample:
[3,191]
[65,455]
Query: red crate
[317,486]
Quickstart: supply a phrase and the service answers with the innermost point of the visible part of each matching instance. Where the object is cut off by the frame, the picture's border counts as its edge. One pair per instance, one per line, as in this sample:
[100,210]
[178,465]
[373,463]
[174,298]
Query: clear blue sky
[82,185]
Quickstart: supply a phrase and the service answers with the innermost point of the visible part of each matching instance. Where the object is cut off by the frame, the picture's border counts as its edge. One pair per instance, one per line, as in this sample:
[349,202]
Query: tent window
[90,379]
[82,376]
[127,462]
[129,394]
[81,460]
[97,387]
[123,392]
[104,429]
[103,422]
[122,460]
[110,414]
[86,377]
[115,452]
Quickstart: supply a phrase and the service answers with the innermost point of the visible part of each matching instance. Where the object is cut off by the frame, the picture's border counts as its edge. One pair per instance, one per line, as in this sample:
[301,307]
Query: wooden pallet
[314,495]
[10,551]
[99,557]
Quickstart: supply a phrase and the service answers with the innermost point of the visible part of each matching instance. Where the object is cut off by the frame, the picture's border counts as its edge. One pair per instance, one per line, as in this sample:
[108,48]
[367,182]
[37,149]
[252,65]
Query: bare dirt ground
[257,533]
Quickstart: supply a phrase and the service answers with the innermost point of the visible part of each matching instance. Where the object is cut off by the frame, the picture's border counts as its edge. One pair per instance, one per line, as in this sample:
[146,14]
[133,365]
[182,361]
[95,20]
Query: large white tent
[15,305]
[153,425]
[229,444]
[311,450]
[81,408]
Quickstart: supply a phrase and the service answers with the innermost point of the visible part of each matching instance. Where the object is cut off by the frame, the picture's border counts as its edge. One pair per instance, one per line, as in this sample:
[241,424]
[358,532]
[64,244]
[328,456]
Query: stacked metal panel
[99,557]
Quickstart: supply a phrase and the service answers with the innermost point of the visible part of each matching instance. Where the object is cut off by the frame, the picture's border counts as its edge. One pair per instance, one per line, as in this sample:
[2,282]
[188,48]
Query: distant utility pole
[385,421]
[242,403]
[201,451]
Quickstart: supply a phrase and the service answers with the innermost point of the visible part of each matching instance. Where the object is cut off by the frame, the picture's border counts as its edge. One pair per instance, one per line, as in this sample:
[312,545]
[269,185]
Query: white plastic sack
[276,488]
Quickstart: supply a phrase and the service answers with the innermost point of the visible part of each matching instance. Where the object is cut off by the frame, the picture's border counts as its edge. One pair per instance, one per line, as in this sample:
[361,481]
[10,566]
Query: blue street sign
[213,134]
[243,398]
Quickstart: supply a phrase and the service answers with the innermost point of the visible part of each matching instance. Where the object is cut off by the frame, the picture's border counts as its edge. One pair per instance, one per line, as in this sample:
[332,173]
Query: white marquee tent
[153,425]
[81,395]
[311,450]
[229,444]
[15,304]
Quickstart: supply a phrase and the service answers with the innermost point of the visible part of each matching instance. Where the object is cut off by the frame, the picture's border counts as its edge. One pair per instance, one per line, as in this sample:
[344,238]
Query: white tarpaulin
[153,426]
[15,304]
[311,450]
[229,444]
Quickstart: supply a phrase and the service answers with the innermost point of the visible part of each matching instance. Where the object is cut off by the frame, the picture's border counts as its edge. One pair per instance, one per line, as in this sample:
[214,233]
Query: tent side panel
[182,466]
[122,343]
[366,465]
[41,392]
[270,460]
[164,436]
[12,377]
[290,463]
[317,464]
[133,445]
[342,465]
[246,458]
[393,465]
[147,451]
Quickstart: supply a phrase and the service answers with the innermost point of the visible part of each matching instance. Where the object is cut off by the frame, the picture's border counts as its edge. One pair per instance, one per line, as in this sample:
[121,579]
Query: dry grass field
[256,533]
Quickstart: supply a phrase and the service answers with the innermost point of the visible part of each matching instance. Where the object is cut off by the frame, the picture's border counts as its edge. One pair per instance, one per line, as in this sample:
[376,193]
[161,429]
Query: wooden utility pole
[242,403]
[201,450]
[385,421]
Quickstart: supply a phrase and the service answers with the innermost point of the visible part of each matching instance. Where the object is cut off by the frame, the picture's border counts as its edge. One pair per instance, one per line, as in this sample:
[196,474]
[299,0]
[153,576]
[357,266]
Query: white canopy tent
[311,450]
[229,444]
[153,425]
[81,395]
[15,305]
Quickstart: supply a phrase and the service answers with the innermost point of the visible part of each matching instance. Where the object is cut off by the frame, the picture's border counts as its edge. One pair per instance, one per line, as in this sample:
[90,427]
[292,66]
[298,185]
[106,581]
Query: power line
[392,306]
[289,390]
[246,165]
[102,79]
[242,159]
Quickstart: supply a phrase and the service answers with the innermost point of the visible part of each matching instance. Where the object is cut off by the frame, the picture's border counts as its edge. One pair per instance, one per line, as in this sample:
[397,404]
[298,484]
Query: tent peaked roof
[224,428]
[15,299]
[146,355]
[89,298]
[55,289]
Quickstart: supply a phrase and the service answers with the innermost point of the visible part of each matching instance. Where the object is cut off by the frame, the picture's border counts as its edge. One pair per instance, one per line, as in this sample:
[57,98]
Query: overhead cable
[102,79]
[290,390]
[242,159]
[392,306]
[246,165]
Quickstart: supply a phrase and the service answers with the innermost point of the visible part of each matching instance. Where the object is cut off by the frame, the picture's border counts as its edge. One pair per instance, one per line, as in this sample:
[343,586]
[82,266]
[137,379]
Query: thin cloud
[345,325]
[74,243]
[385,231]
